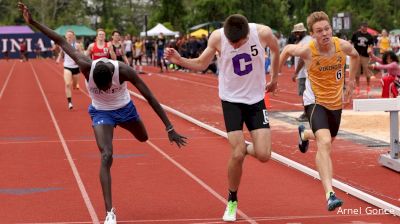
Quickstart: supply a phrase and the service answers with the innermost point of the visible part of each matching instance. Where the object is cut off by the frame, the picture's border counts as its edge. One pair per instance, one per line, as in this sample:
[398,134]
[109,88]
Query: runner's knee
[264,157]
[325,144]
[239,153]
[106,158]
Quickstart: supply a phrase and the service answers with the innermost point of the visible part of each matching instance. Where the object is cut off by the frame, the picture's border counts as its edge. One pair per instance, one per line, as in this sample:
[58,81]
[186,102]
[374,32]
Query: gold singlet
[325,78]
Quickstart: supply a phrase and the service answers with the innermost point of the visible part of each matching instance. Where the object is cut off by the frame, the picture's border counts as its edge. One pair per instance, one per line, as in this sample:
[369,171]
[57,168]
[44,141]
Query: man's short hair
[115,31]
[364,24]
[316,17]
[102,76]
[236,27]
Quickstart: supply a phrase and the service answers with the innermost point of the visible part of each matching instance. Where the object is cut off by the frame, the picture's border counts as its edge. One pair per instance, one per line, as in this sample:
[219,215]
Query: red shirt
[100,52]
[22,47]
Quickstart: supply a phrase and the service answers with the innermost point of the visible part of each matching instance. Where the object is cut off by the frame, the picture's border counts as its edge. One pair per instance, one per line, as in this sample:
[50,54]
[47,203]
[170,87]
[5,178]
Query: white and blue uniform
[113,106]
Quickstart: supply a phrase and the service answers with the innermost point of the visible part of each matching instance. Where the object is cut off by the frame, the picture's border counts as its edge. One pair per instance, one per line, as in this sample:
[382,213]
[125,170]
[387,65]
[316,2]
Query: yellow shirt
[384,44]
[325,79]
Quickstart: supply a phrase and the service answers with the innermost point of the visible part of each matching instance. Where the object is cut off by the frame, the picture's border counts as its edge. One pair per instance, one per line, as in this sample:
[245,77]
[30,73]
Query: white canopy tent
[159,28]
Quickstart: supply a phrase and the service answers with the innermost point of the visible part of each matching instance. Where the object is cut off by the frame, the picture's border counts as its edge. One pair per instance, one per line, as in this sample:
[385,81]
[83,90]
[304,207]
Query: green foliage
[128,15]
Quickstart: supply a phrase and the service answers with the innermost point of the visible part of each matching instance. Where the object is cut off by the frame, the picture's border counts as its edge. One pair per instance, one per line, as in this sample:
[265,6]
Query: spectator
[6,56]
[362,40]
[390,62]
[138,50]
[149,48]
[23,50]
[300,74]
[160,46]
[38,49]
[128,48]
[384,42]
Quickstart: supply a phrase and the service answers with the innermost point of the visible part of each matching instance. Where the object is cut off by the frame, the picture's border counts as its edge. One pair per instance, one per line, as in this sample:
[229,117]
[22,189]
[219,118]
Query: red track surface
[156,182]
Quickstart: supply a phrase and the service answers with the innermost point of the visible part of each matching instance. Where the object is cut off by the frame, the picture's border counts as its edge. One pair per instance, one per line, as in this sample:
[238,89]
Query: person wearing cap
[300,33]
[362,40]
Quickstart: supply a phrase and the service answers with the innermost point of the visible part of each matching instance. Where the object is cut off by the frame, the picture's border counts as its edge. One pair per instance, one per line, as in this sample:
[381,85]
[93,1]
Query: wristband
[169,128]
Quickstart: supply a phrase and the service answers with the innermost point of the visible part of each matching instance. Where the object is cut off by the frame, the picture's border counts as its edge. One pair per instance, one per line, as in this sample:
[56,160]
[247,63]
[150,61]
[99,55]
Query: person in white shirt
[242,85]
[71,69]
[128,48]
[300,73]
[111,105]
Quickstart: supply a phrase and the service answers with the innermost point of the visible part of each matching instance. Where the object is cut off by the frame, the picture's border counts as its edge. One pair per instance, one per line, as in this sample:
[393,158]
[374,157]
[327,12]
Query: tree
[168,11]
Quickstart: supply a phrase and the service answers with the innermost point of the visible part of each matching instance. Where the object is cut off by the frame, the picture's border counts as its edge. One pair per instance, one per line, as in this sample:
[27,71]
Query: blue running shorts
[113,117]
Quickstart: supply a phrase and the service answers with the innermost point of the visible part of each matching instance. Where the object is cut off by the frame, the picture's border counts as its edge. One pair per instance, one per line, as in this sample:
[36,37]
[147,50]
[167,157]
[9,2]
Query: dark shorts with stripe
[322,118]
[235,114]
[74,71]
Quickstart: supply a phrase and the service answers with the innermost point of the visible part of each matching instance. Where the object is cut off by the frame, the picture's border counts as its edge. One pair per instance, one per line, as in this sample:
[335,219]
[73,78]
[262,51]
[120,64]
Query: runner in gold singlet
[324,59]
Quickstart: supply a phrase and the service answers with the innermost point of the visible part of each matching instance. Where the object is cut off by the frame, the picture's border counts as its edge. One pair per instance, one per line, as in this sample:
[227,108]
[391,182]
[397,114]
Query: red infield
[50,161]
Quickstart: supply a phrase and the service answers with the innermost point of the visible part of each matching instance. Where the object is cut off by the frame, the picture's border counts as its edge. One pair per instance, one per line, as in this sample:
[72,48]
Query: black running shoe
[334,202]
[303,144]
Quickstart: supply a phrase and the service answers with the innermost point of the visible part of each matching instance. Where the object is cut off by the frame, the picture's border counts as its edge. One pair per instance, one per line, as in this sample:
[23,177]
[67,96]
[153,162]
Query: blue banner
[9,44]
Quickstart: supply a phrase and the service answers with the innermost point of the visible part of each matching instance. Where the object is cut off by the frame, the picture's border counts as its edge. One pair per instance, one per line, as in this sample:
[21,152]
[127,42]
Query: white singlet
[68,62]
[241,71]
[114,98]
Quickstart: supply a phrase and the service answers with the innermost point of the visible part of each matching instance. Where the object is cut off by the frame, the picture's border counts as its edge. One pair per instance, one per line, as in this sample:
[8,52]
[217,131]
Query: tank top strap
[337,44]
[313,48]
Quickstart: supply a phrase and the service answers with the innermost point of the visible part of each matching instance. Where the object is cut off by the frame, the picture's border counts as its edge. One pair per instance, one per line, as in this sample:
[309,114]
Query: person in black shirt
[160,44]
[149,48]
[118,48]
[362,40]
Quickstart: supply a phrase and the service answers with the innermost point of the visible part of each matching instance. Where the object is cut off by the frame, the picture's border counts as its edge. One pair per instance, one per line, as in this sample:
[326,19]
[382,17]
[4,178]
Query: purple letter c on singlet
[236,64]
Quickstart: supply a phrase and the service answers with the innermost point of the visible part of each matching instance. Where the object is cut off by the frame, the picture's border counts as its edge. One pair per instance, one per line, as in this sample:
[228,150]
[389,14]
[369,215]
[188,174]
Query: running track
[49,159]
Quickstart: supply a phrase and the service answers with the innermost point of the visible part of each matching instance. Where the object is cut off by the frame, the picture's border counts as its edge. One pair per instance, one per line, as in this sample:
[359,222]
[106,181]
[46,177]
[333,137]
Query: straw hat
[299,28]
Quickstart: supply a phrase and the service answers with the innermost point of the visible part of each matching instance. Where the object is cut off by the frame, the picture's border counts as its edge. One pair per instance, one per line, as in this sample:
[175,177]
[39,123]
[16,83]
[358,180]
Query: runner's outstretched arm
[83,62]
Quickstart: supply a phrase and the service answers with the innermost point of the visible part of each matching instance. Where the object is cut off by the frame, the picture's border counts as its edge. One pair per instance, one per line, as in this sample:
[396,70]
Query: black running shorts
[74,71]
[323,118]
[235,114]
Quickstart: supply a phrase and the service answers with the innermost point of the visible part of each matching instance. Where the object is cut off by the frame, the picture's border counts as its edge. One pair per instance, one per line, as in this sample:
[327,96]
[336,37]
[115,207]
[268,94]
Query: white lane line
[94,140]
[218,220]
[61,74]
[215,87]
[198,180]
[6,82]
[291,163]
[75,171]
[185,80]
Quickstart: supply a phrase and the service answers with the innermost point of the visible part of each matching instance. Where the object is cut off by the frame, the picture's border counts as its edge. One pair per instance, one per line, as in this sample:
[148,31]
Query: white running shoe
[70,106]
[230,212]
[111,218]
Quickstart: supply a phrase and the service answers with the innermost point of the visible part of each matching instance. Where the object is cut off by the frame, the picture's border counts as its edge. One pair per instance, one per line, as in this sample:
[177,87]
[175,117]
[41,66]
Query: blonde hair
[70,31]
[100,30]
[316,17]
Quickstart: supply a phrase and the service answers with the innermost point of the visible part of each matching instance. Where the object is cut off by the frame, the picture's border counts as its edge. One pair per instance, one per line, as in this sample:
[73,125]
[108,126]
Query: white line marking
[218,220]
[198,180]
[215,87]
[304,169]
[91,140]
[75,171]
[185,80]
[61,73]
[6,82]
